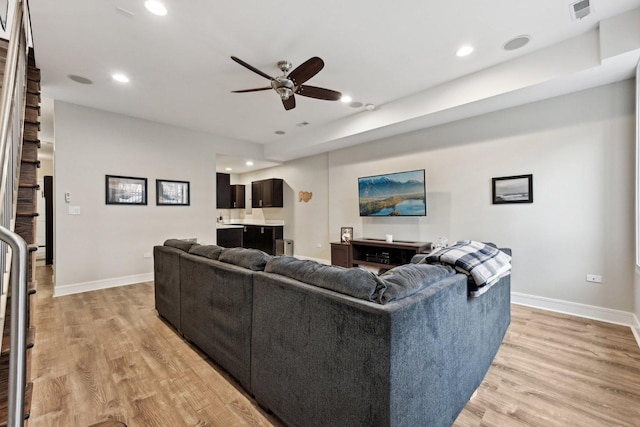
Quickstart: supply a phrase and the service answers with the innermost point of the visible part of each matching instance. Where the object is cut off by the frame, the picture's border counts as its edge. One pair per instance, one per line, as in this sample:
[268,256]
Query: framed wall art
[172,193]
[125,190]
[346,234]
[512,189]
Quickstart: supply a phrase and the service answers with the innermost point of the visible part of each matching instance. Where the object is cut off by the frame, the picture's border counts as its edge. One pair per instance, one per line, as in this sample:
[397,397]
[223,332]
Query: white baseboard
[77,288]
[608,315]
[635,328]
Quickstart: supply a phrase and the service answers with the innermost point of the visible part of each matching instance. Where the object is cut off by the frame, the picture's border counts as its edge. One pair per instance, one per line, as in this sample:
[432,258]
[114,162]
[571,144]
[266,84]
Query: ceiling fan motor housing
[283,86]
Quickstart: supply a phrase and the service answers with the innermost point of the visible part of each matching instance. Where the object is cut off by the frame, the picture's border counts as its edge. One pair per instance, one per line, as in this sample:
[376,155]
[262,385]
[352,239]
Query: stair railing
[14,262]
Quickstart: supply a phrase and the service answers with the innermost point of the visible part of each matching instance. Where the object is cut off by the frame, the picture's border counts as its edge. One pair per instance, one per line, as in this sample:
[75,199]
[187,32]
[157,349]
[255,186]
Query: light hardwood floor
[106,355]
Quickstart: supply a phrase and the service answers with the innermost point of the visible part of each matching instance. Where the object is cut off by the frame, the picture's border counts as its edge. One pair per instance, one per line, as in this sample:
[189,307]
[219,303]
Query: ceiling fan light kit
[292,83]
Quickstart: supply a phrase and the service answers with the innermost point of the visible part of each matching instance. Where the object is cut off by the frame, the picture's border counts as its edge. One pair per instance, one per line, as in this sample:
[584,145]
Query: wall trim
[635,328]
[603,314]
[76,288]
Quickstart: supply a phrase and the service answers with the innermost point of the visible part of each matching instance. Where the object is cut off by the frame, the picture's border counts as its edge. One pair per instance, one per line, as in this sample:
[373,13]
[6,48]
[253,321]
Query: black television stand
[378,253]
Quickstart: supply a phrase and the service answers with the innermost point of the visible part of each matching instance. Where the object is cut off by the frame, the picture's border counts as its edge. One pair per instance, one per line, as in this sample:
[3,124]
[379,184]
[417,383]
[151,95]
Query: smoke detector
[580,9]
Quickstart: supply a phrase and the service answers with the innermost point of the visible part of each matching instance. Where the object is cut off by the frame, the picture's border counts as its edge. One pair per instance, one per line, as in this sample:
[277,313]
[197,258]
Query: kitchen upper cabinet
[237,196]
[223,190]
[267,193]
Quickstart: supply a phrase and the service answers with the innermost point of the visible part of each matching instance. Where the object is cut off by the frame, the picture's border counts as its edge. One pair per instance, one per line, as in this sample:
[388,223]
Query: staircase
[20,111]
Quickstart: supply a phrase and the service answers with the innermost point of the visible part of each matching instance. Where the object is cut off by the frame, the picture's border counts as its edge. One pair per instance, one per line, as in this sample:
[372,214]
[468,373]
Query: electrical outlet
[594,278]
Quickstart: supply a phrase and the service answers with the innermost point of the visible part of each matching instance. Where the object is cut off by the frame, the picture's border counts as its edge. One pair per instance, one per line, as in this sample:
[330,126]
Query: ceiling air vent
[580,9]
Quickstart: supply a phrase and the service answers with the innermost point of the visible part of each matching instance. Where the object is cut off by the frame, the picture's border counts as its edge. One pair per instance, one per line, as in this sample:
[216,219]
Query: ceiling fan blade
[306,70]
[252,68]
[319,93]
[289,103]
[251,90]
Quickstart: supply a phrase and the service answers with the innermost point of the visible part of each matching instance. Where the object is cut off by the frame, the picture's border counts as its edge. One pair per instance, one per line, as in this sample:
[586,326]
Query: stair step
[27,196]
[4,387]
[6,338]
[33,73]
[25,185]
[30,131]
[33,99]
[26,213]
[29,173]
[24,227]
[33,86]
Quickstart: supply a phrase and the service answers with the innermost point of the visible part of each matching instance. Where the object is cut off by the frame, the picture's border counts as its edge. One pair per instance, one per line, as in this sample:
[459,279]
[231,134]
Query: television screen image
[394,194]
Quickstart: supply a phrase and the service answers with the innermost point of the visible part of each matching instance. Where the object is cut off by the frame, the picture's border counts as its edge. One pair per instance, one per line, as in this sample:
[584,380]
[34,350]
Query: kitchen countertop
[270,222]
[227,226]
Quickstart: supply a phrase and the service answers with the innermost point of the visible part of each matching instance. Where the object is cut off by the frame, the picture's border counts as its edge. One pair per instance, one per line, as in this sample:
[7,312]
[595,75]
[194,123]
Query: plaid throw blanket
[484,263]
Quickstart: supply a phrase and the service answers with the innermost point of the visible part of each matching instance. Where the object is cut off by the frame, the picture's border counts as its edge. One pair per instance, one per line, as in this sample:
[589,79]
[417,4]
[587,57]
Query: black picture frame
[346,234]
[172,193]
[125,190]
[4,13]
[512,189]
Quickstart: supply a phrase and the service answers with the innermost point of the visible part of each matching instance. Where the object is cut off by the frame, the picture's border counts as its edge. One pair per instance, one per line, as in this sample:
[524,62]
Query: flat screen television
[393,194]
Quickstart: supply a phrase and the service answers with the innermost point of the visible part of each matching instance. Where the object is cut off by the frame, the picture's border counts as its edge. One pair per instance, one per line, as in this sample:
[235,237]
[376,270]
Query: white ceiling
[391,54]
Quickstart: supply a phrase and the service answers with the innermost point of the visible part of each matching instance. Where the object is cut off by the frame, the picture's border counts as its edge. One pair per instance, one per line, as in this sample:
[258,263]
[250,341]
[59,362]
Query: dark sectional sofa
[322,345]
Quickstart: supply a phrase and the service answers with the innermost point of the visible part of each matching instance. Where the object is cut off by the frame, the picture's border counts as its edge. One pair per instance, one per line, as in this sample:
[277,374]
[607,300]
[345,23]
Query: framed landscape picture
[172,193]
[512,189]
[125,190]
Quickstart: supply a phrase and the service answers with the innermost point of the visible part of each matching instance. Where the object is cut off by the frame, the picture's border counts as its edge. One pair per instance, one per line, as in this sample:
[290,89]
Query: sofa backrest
[397,283]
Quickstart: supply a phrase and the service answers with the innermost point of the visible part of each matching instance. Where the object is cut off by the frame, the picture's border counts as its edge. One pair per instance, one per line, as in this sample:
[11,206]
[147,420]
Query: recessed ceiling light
[346,99]
[279,132]
[355,104]
[120,78]
[80,79]
[370,107]
[249,163]
[517,42]
[228,169]
[155,7]
[464,51]
[303,124]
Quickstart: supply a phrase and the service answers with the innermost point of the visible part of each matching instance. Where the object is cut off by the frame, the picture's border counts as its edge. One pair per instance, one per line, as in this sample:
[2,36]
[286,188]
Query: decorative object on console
[394,194]
[304,196]
[172,193]
[512,189]
[125,190]
[346,234]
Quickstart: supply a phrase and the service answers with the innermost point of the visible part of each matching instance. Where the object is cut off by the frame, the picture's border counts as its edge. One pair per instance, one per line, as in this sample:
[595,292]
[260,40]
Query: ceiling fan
[289,84]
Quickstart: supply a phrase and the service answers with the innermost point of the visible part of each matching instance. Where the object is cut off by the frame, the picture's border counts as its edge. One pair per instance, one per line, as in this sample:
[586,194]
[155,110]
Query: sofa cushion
[354,282]
[179,244]
[252,259]
[208,251]
[405,280]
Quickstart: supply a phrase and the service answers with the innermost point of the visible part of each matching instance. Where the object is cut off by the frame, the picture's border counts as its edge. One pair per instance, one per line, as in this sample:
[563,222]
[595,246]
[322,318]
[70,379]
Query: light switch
[67,197]
[74,210]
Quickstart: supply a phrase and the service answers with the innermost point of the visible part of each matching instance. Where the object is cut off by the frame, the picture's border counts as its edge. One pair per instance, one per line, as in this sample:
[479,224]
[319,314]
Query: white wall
[104,245]
[307,223]
[580,150]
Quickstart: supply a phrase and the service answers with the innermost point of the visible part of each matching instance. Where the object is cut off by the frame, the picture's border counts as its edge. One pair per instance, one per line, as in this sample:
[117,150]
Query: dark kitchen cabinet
[223,190]
[262,237]
[237,196]
[230,237]
[267,193]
